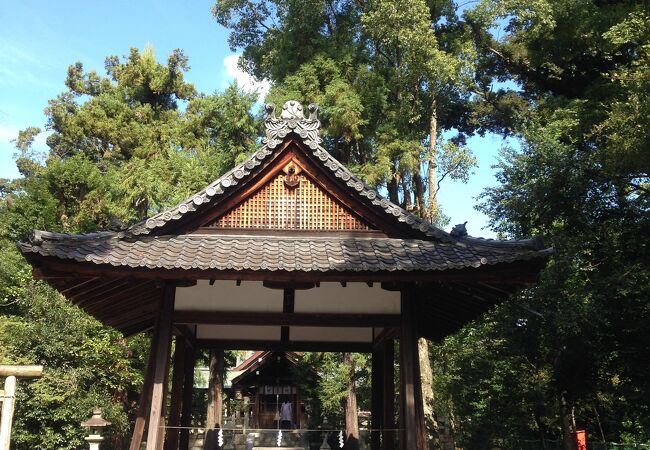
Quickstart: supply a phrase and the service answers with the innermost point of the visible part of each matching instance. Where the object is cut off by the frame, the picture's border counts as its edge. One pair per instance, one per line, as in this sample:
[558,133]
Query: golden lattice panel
[291,202]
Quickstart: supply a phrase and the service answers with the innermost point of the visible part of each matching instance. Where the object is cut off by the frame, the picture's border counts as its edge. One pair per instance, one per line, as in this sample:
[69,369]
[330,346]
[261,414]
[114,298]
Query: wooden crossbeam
[21,371]
[287,319]
[296,346]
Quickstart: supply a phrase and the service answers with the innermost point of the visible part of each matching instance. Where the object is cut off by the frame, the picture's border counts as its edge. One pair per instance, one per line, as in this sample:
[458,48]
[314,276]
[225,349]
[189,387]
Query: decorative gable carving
[291,201]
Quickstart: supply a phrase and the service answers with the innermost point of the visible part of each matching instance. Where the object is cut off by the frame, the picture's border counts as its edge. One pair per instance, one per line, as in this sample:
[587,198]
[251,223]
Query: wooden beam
[288,305]
[131,293]
[188,388]
[164,331]
[391,286]
[64,288]
[97,291]
[287,319]
[137,328]
[21,371]
[499,288]
[281,285]
[48,274]
[129,308]
[124,303]
[297,346]
[188,333]
[176,400]
[384,335]
[414,432]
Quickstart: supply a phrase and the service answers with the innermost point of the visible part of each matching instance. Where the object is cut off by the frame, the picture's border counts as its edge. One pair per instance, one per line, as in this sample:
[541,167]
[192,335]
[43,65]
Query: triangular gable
[291,201]
[349,204]
[260,359]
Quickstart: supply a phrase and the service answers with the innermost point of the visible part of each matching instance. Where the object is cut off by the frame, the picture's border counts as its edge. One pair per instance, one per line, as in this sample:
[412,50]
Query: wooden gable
[291,200]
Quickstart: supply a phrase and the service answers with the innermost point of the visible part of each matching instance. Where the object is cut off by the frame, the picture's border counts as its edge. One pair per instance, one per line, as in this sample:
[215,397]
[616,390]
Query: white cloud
[244,80]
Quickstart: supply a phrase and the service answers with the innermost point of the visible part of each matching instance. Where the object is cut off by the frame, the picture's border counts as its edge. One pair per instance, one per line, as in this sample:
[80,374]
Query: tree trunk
[418,188]
[406,204]
[451,425]
[433,213]
[427,393]
[447,422]
[540,429]
[351,413]
[598,421]
[565,422]
[215,389]
[391,186]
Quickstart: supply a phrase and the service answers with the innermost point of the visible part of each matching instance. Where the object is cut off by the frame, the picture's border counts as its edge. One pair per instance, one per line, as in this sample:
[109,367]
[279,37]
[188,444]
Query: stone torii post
[8,397]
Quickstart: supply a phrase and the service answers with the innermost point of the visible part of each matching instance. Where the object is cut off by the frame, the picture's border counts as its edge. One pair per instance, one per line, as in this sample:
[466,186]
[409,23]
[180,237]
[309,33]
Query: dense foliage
[401,85]
[120,148]
[574,355]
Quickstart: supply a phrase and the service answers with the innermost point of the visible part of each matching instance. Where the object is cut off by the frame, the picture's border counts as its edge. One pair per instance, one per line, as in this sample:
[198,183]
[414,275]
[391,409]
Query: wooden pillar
[163,411]
[7,415]
[8,397]
[257,409]
[159,388]
[177,394]
[414,435]
[388,414]
[145,395]
[377,399]
[188,390]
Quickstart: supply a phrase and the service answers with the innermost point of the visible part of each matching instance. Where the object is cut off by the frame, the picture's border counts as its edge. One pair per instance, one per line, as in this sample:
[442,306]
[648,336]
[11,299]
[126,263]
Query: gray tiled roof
[246,252]
[154,244]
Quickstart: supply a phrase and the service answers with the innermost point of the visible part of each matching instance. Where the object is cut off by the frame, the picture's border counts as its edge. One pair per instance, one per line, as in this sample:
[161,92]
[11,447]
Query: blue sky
[39,39]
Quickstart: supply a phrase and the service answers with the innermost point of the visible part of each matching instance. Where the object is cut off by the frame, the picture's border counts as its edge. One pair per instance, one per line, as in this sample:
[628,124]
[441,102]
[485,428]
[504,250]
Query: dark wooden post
[377,401]
[188,390]
[414,435]
[163,411]
[145,395]
[177,394]
[388,414]
[256,418]
[164,331]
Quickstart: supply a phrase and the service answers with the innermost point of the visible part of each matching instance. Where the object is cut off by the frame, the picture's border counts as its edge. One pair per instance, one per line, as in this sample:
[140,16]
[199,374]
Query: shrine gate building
[288,251]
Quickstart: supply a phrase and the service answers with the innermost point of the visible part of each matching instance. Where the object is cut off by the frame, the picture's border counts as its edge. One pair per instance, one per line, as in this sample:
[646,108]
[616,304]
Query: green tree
[390,79]
[579,178]
[120,148]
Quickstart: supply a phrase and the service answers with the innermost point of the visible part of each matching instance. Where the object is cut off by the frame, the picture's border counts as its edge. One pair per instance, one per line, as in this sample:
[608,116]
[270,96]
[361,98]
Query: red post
[580,439]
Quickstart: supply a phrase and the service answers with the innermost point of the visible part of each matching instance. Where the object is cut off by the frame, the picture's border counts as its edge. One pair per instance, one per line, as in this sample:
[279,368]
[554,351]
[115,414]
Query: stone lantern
[95,425]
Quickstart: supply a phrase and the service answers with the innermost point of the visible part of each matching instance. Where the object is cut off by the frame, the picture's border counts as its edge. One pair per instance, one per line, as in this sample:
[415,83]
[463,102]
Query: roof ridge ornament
[292,120]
